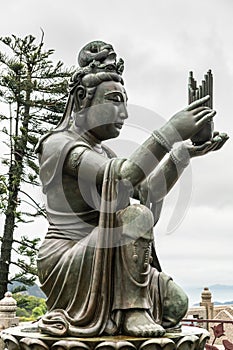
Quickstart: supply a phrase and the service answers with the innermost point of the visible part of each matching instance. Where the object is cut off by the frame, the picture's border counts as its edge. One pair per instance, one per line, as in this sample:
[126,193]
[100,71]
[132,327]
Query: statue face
[107,113]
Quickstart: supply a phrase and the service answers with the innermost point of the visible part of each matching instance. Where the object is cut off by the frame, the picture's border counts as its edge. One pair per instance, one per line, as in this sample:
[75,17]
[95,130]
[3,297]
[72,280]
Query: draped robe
[77,258]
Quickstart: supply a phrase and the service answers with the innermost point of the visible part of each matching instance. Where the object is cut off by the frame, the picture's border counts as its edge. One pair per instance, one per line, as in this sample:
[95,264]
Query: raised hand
[190,120]
[187,122]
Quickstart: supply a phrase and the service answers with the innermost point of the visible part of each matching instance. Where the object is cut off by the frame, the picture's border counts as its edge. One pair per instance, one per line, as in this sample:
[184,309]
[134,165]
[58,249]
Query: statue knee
[136,227]
[175,305]
[136,221]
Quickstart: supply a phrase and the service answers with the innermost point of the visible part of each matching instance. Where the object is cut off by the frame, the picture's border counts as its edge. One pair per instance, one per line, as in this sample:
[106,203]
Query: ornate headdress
[97,61]
[97,57]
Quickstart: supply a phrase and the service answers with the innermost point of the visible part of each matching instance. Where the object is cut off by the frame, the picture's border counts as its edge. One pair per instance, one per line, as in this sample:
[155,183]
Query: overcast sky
[160,41]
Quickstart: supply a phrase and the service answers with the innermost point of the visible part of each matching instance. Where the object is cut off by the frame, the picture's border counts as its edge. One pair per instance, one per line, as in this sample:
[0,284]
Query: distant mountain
[33,290]
[224,303]
[36,291]
[217,303]
[221,294]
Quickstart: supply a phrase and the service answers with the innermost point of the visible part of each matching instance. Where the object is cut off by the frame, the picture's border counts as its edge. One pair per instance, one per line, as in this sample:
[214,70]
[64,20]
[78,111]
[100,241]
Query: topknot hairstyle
[97,63]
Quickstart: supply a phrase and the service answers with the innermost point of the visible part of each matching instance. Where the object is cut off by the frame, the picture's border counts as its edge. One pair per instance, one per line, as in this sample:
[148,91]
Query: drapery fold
[80,303]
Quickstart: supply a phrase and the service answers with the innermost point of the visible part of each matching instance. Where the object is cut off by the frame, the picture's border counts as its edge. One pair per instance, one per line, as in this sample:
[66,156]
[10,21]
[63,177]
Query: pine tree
[34,89]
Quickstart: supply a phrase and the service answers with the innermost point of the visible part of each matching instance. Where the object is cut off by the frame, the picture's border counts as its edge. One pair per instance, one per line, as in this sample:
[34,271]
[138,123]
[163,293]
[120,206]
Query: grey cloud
[160,42]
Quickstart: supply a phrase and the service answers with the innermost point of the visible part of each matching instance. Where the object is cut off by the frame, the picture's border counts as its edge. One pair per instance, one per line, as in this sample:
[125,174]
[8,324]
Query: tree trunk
[7,240]
[15,177]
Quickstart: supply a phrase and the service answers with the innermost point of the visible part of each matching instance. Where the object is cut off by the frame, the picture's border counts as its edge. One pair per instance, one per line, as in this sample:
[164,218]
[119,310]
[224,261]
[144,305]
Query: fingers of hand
[204,116]
[205,146]
[203,149]
[218,141]
[197,103]
[222,138]
[213,145]
[223,135]
[218,137]
[201,109]
[219,145]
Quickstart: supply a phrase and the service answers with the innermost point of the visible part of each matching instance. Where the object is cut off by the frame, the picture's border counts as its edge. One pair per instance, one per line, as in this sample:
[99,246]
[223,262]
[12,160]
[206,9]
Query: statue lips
[119,125]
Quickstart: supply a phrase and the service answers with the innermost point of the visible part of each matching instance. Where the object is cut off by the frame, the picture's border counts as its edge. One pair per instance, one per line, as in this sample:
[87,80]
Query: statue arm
[159,182]
[146,158]
[180,127]
[90,165]
[164,177]
[152,191]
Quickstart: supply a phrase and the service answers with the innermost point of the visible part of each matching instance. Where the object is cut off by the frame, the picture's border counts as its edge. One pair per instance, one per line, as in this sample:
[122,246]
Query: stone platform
[26,338]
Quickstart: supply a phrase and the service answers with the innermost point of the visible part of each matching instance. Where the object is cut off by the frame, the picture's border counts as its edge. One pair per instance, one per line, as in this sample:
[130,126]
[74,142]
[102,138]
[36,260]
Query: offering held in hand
[195,93]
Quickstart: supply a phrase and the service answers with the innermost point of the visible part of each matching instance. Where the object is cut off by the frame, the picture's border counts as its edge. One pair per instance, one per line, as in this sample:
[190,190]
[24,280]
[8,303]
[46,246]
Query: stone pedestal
[27,338]
[8,306]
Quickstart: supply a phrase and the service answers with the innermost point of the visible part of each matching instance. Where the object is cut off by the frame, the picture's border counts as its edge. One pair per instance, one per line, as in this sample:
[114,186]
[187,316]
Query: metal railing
[223,328]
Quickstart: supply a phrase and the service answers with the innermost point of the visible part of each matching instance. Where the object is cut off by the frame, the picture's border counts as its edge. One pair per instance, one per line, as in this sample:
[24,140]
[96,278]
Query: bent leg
[132,272]
[174,301]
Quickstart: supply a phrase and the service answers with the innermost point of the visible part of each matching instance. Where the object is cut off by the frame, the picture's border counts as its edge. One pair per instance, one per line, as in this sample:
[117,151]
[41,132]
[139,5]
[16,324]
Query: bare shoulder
[110,153]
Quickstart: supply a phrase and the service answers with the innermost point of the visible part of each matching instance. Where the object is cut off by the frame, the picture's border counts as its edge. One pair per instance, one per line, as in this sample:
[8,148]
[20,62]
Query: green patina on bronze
[98,265]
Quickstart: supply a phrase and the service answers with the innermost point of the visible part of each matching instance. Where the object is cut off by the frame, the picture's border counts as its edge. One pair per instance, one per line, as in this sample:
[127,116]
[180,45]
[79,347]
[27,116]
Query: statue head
[97,65]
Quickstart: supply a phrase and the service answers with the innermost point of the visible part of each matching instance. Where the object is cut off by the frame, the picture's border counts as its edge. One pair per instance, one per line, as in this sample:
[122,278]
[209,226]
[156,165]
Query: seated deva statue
[97,264]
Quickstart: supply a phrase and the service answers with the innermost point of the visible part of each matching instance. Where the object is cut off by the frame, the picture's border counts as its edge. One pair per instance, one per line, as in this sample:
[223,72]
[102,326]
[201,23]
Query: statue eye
[114,98]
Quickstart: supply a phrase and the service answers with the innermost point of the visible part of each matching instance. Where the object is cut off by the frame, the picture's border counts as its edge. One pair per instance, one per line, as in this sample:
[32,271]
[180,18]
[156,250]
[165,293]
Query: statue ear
[79,98]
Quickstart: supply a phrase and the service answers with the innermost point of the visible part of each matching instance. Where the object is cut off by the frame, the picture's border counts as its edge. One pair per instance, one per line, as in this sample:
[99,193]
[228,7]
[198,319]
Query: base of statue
[26,338]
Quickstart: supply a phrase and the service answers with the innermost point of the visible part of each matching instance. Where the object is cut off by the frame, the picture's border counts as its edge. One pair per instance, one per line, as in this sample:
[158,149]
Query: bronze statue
[97,264]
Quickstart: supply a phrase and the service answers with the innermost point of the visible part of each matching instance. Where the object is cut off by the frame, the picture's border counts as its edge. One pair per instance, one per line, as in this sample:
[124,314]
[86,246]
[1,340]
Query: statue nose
[124,115]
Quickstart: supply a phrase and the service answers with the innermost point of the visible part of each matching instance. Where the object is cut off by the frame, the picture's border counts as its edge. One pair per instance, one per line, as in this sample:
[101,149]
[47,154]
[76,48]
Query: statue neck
[89,137]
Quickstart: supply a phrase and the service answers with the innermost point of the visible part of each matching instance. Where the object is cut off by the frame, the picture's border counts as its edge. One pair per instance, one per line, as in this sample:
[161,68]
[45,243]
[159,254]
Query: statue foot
[139,323]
